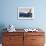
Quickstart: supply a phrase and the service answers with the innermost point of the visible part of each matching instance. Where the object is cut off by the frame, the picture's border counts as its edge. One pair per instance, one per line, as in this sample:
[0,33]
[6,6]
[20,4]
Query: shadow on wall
[2,26]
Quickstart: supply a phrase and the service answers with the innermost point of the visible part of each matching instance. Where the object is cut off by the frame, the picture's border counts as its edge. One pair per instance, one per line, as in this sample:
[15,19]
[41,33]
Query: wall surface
[9,13]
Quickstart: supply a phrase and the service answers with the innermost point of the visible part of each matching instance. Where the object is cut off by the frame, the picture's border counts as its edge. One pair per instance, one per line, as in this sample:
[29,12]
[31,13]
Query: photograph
[25,13]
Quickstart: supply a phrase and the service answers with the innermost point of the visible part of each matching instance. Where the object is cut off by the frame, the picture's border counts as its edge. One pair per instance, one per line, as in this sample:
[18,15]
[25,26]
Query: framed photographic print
[25,13]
